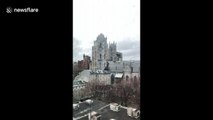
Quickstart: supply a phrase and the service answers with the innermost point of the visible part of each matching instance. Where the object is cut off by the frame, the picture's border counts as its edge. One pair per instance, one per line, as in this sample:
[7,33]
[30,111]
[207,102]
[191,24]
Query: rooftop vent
[75,106]
[89,101]
[94,116]
[136,113]
[132,112]
[114,107]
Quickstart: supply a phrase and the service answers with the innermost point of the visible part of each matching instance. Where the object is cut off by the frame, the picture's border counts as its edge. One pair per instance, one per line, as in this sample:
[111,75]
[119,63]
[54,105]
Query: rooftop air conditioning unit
[75,106]
[94,116]
[136,113]
[132,112]
[89,101]
[129,111]
[114,107]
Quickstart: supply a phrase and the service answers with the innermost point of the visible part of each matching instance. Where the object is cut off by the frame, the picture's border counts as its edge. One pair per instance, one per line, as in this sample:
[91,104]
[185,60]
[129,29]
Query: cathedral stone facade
[102,53]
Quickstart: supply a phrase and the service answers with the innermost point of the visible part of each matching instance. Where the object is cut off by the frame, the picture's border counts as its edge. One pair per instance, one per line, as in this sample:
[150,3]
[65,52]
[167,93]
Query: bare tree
[125,92]
[135,97]
[128,92]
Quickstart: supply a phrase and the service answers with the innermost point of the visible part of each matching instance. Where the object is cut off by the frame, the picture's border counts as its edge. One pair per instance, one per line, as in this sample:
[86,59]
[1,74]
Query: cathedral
[102,53]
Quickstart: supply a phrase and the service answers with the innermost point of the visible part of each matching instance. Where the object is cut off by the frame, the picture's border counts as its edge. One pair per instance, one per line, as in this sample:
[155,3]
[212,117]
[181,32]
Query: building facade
[102,53]
[85,63]
[113,55]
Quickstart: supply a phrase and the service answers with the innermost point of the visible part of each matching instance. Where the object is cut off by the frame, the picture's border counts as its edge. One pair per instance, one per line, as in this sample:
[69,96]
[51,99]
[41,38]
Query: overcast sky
[118,20]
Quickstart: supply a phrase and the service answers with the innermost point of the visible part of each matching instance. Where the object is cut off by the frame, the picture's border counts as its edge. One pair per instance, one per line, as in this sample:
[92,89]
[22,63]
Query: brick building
[84,64]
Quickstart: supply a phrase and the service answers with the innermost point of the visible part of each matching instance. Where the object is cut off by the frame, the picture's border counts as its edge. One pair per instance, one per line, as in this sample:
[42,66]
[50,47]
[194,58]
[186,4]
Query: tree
[125,93]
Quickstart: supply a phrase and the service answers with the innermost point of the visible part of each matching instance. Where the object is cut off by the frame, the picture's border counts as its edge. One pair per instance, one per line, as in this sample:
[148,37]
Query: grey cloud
[130,49]
[133,54]
[77,50]
[128,44]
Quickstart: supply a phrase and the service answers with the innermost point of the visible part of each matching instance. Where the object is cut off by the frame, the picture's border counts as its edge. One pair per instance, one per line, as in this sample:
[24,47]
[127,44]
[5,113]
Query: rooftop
[78,82]
[107,114]
[103,109]
[119,66]
[115,67]
[84,75]
[84,108]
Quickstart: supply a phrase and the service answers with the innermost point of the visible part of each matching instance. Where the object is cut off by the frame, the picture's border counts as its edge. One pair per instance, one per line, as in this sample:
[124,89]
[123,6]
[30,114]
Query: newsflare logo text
[18,10]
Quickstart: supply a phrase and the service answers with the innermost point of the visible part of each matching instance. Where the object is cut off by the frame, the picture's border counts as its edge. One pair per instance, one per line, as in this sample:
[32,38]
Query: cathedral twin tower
[102,53]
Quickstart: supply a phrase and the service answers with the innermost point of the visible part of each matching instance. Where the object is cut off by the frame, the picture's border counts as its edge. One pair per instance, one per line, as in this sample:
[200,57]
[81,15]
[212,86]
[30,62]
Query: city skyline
[118,20]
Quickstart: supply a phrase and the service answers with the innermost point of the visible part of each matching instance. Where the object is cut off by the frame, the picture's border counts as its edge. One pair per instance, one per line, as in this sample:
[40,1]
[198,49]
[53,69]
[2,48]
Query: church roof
[116,66]
[84,75]
[119,66]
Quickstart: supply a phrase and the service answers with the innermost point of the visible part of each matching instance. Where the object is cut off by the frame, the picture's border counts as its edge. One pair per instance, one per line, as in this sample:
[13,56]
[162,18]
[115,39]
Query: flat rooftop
[85,108]
[107,114]
[103,109]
